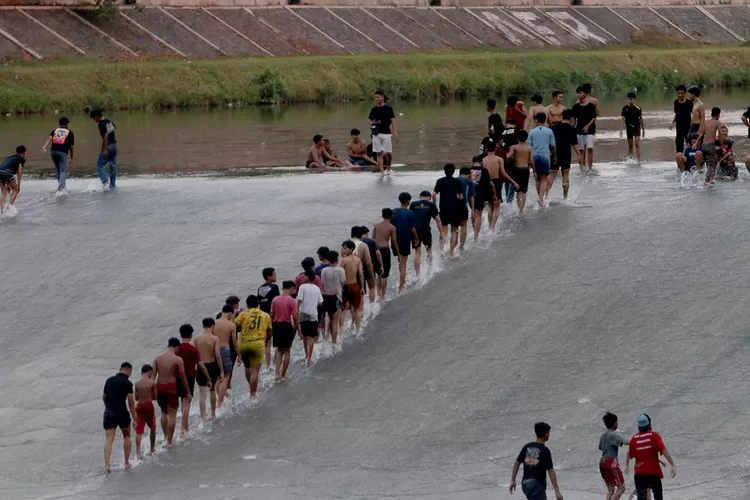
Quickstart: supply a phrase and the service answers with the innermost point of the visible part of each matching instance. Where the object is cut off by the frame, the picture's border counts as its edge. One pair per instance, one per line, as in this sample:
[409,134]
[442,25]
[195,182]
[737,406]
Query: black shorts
[559,163]
[7,177]
[385,254]
[425,237]
[181,389]
[694,128]
[498,189]
[331,304]
[309,328]
[484,196]
[113,420]
[213,373]
[404,244]
[462,214]
[450,217]
[367,271]
[521,177]
[283,335]
[645,482]
[632,132]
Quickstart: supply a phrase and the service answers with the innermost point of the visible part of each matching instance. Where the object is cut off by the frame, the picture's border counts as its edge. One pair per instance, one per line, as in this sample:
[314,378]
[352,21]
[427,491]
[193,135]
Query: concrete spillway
[50,32]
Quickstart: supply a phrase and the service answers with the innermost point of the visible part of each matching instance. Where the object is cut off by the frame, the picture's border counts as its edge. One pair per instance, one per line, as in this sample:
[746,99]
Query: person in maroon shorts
[609,467]
[145,393]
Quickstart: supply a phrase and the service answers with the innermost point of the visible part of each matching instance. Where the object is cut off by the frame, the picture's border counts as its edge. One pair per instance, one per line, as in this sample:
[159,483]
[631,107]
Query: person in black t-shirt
[746,121]
[61,142]
[451,196]
[11,173]
[565,137]
[383,126]
[536,460]
[266,293]
[632,117]
[494,120]
[108,152]
[424,211]
[118,390]
[683,117]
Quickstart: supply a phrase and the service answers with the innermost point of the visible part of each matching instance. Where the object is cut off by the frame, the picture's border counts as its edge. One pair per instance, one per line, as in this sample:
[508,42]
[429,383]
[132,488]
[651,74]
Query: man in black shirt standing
[451,196]
[565,137]
[537,463]
[383,126]
[61,142]
[632,117]
[266,293]
[424,211]
[117,390]
[108,152]
[683,116]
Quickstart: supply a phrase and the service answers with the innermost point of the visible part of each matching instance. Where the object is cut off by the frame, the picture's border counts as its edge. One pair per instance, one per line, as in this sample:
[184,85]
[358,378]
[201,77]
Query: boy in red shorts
[609,467]
[145,393]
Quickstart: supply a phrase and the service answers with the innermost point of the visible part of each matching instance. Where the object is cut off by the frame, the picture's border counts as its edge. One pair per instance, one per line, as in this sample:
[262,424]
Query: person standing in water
[117,391]
[585,111]
[285,322]
[565,138]
[542,142]
[145,394]
[226,331]
[191,359]
[383,126]
[61,142]
[11,167]
[255,327]
[210,355]
[424,211]
[352,291]
[169,370]
[266,293]
[333,278]
[556,109]
[384,234]
[536,460]
[309,302]
[683,111]
[108,152]
[632,118]
[406,235]
[699,114]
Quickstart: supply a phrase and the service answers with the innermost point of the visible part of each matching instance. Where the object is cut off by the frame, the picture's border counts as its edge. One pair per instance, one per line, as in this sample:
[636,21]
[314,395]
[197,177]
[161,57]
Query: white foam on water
[95,186]
[10,212]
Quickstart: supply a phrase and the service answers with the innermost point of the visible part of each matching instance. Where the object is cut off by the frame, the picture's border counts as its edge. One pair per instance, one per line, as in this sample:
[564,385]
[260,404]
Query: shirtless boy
[711,138]
[535,110]
[555,110]
[169,370]
[363,252]
[317,156]
[357,151]
[699,114]
[145,394]
[522,154]
[334,160]
[384,234]
[226,331]
[208,347]
[496,168]
[353,291]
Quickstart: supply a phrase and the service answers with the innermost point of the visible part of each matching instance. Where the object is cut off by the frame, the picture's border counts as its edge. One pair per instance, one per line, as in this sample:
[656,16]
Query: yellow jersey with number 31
[254,325]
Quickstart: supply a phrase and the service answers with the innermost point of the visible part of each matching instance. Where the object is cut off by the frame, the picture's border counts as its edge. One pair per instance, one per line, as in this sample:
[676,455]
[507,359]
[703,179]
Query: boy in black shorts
[632,117]
[424,212]
[565,138]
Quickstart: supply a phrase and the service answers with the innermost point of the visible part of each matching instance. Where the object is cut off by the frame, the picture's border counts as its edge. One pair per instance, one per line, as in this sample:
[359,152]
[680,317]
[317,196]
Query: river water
[630,298]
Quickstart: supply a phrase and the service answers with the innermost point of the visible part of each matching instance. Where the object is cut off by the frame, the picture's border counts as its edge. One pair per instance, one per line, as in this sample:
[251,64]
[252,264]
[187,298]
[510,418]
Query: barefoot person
[145,415]
[61,142]
[285,323]
[384,234]
[383,127]
[352,291]
[585,111]
[691,157]
[645,448]
[496,168]
[208,345]
[333,278]
[699,114]
[485,193]
[266,293]
[449,188]
[711,139]
[317,155]
[191,359]
[406,235]
[424,212]
[362,250]
[309,301]
[632,119]
[169,371]
[375,258]
[536,460]
[255,328]
[534,110]
[11,173]
[522,155]
[108,152]
[565,138]
[609,467]
[357,151]
[226,331]
[555,110]
[542,142]
[118,389]
[683,111]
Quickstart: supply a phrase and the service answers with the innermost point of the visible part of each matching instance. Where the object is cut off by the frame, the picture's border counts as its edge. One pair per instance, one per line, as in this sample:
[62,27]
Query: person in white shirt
[309,301]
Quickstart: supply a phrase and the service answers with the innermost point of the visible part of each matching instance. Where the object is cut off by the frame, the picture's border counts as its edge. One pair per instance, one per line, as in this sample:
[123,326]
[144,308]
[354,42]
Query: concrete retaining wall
[197,32]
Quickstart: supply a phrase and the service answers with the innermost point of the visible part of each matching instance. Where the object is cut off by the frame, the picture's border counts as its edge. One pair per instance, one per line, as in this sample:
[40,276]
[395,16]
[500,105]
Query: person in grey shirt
[609,467]
[332,279]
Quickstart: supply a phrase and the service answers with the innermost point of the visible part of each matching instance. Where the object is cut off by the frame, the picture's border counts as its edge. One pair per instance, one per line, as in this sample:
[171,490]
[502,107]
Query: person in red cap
[645,448]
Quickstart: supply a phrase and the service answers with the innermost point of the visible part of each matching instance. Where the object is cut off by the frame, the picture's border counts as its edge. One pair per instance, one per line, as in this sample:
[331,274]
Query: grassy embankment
[73,84]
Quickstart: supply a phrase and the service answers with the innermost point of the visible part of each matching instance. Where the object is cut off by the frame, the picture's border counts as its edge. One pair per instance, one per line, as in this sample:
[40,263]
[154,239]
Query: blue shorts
[226,360]
[359,162]
[541,164]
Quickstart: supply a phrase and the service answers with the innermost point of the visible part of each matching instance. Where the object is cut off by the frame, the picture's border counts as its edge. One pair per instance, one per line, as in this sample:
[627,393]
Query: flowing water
[630,298]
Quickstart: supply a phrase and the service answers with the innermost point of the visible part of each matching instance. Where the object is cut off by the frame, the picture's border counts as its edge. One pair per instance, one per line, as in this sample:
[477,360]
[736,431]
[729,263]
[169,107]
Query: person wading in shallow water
[117,391]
